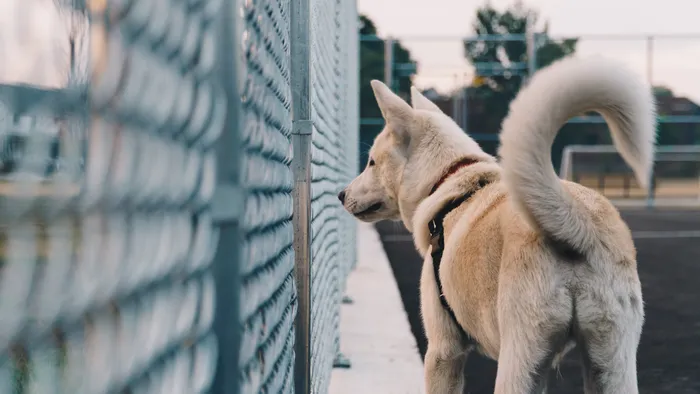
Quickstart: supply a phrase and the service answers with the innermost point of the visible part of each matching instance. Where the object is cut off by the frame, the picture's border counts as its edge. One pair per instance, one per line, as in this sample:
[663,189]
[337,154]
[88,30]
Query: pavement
[668,247]
[375,334]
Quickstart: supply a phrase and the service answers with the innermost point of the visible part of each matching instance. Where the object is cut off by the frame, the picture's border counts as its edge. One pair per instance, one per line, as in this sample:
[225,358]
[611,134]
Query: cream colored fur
[534,120]
[532,265]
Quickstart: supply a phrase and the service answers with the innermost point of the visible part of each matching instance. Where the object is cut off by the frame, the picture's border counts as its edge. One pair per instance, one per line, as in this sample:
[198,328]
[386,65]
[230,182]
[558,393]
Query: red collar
[456,166]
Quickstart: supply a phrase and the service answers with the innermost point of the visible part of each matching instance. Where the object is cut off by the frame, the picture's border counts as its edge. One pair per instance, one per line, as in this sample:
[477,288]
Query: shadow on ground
[669,267]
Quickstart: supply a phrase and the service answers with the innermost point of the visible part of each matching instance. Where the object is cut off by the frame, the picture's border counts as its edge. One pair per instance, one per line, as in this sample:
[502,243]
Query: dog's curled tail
[565,89]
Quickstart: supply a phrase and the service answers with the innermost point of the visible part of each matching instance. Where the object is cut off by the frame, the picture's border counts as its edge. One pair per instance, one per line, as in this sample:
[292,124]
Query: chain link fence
[268,293]
[147,201]
[333,164]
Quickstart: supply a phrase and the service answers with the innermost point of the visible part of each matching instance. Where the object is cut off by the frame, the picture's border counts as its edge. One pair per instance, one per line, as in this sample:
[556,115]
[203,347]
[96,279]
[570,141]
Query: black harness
[437,245]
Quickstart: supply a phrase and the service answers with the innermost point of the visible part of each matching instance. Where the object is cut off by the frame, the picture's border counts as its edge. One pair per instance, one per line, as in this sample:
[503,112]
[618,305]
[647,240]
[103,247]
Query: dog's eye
[371,162]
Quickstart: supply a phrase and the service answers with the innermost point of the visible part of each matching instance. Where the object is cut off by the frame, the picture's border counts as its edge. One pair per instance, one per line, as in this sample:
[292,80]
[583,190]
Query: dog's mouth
[371,209]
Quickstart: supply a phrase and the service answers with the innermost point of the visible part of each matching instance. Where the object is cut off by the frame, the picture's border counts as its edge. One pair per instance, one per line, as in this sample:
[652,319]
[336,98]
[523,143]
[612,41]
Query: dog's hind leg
[608,328]
[535,326]
[525,361]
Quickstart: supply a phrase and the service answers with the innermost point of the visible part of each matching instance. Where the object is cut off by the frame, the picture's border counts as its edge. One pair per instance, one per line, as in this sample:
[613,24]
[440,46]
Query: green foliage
[372,67]
[496,93]
[662,91]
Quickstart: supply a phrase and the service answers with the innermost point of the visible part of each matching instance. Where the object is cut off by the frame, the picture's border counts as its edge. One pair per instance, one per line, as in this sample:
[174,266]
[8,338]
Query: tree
[662,91]
[496,91]
[669,104]
[372,67]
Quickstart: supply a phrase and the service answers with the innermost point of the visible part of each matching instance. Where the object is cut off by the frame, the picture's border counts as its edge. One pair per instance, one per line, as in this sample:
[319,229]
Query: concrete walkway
[374,329]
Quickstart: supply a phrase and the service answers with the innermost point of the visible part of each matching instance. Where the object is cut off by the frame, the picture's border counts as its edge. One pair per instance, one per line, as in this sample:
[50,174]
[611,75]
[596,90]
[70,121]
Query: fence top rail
[566,163]
[23,98]
[611,149]
[523,37]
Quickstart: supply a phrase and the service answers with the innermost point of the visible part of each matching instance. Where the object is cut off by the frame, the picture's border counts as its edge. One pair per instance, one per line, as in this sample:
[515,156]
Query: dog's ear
[421,102]
[395,110]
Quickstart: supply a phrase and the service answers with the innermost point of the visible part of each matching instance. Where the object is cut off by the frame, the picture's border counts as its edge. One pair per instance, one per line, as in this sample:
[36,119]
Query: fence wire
[120,245]
[268,292]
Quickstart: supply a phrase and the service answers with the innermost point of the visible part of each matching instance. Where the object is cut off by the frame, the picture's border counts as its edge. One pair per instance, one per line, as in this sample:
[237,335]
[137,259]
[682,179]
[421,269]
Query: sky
[30,42]
[431,29]
[675,61]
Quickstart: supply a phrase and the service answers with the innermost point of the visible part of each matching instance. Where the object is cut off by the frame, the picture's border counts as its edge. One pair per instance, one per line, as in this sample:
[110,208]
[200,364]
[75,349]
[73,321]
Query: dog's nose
[341,196]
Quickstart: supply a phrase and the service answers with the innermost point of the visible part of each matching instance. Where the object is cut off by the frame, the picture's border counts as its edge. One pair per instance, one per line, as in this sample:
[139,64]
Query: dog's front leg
[444,370]
[447,351]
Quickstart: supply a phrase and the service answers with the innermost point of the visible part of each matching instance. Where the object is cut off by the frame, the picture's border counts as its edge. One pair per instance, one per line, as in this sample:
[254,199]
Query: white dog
[519,265]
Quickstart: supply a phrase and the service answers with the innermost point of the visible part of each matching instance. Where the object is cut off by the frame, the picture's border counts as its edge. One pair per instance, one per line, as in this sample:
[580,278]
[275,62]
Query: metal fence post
[389,62]
[531,44]
[464,92]
[650,60]
[227,204]
[651,189]
[651,192]
[457,104]
[302,128]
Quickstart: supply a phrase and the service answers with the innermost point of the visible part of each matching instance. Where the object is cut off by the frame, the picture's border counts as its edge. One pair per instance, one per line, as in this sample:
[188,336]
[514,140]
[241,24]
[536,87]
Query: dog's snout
[341,196]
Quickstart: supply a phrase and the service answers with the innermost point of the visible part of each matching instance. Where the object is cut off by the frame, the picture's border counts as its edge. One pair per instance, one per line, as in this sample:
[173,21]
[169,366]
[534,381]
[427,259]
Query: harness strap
[437,245]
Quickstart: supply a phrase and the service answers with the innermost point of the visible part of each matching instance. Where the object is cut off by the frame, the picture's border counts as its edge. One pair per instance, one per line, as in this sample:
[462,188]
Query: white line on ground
[662,203]
[667,234]
[374,330]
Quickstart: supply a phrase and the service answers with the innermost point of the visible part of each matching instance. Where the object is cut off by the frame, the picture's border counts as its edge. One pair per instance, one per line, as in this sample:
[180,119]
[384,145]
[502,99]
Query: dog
[519,265]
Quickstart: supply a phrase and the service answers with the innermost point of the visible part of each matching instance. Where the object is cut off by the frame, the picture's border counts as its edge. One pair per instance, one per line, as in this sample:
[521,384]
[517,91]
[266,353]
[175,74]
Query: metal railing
[675,182]
[441,64]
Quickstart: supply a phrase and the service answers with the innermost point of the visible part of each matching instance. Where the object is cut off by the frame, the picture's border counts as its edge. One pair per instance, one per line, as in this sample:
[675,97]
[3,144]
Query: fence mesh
[105,275]
[107,177]
[349,125]
[268,293]
[332,164]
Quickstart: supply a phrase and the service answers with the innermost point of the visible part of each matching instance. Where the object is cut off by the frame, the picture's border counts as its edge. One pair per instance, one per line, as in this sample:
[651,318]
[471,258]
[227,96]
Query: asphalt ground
[668,359]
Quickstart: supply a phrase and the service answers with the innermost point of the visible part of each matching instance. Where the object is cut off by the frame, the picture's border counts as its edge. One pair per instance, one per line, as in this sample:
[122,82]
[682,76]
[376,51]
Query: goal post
[675,182]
